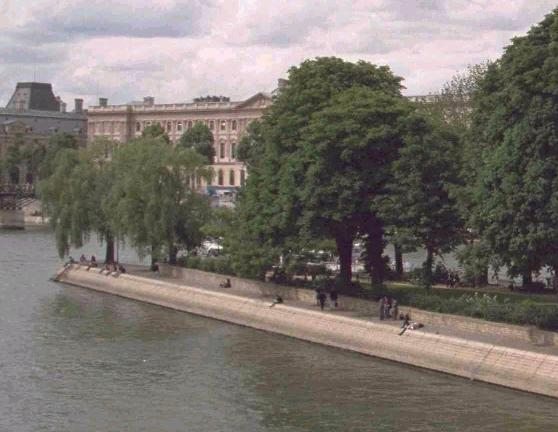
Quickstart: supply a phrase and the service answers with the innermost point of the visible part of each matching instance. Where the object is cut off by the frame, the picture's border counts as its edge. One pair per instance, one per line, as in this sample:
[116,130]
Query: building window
[190,124]
[242,178]
[220,177]
[179,126]
[138,126]
[223,125]
[233,125]
[169,126]
[222,150]
[211,125]
[233,150]
[231,177]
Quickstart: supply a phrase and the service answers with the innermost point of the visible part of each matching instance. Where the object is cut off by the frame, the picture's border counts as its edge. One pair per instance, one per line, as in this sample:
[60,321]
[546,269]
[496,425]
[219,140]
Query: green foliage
[72,195]
[420,206]
[199,138]
[56,143]
[279,206]
[156,131]
[220,264]
[152,199]
[513,149]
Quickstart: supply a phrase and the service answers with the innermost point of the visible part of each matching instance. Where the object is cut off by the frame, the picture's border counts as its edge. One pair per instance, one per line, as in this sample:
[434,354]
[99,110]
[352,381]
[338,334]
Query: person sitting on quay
[154,267]
[225,284]
[276,300]
[70,261]
[82,259]
[93,262]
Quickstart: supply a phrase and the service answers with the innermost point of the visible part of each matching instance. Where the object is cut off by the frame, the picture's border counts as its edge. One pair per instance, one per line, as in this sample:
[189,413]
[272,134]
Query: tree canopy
[153,201]
[200,139]
[515,124]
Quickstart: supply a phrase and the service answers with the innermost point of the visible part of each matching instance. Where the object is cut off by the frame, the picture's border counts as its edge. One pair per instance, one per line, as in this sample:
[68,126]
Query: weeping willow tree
[153,200]
[73,193]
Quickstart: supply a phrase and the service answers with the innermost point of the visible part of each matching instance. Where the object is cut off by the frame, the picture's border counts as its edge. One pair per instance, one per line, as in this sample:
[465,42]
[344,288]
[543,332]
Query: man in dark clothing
[333,298]
[321,299]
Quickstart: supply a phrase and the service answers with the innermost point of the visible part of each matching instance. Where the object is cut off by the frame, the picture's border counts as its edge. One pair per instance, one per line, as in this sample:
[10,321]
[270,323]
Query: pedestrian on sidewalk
[394,309]
[322,299]
[382,308]
[333,298]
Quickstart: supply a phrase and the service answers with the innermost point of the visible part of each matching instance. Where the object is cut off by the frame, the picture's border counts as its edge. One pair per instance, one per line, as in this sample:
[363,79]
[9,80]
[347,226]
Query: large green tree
[200,139]
[420,205]
[345,163]
[153,201]
[515,130]
[271,209]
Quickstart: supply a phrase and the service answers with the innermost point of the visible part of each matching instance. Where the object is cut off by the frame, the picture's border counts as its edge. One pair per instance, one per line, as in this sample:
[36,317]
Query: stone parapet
[519,369]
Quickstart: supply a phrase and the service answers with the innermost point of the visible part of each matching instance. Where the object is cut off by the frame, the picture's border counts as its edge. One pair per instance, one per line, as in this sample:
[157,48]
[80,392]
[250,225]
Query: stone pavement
[441,330]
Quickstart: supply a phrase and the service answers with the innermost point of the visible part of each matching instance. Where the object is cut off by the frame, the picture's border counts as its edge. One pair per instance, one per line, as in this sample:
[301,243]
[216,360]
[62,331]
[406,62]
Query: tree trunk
[482,279]
[344,243]
[173,251]
[398,261]
[109,249]
[427,267]
[374,248]
[527,278]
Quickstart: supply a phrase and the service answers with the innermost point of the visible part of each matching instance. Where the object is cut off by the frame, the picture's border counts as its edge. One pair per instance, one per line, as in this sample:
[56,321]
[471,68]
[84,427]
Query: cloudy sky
[179,49]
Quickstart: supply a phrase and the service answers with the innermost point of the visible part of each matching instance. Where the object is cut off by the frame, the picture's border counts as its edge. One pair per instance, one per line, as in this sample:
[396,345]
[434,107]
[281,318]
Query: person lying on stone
[276,300]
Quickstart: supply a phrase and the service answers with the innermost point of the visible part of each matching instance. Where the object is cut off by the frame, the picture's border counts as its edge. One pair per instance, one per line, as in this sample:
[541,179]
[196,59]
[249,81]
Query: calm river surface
[77,360]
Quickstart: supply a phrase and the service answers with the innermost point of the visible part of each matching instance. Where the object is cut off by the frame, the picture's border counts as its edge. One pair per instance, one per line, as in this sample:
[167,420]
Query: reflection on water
[78,360]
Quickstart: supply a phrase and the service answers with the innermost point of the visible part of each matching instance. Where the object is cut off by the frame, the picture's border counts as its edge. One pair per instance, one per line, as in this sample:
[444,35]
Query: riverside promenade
[499,354]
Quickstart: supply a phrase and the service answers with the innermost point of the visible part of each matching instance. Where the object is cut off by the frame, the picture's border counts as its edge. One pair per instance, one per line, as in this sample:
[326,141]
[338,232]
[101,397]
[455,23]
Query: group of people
[114,269]
[321,298]
[388,308]
[453,279]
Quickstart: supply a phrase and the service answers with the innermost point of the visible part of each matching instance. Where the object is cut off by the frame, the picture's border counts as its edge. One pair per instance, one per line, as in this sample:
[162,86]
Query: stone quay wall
[523,370]
[202,279]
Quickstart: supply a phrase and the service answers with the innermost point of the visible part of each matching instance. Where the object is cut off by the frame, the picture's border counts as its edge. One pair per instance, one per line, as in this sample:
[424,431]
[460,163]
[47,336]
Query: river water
[78,360]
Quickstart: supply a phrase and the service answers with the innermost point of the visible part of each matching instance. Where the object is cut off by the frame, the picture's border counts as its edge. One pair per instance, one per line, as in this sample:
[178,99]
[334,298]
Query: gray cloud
[80,19]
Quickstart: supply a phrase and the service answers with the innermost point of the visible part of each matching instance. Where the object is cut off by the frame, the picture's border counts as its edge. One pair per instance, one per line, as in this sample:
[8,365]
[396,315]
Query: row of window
[221,178]
[188,125]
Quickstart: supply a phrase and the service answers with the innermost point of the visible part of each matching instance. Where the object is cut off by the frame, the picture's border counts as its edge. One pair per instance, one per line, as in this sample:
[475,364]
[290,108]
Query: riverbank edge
[518,369]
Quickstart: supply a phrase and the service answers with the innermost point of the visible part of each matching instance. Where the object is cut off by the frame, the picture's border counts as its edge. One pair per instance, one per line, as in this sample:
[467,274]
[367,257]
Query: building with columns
[227,120]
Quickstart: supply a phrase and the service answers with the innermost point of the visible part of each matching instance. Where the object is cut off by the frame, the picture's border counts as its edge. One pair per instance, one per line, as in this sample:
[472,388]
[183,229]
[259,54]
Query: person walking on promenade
[322,299]
[318,291]
[382,308]
[333,297]
[394,309]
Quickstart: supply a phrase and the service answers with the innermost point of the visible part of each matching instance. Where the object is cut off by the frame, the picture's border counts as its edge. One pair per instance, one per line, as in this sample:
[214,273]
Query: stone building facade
[227,120]
[33,114]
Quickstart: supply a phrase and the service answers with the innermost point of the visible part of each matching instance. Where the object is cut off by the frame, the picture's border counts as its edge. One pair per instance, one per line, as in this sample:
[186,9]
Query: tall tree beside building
[153,202]
[200,139]
[515,128]
[271,207]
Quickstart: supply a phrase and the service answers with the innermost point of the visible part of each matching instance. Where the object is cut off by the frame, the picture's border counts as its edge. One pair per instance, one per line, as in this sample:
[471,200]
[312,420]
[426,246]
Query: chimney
[78,106]
[148,101]
[103,102]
